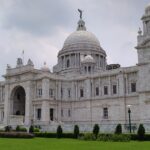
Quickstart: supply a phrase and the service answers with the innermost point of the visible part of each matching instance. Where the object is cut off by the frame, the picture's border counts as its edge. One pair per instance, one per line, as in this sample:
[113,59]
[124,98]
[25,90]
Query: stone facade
[82,89]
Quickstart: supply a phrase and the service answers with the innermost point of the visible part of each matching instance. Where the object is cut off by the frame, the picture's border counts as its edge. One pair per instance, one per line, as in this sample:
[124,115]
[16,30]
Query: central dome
[78,45]
[81,38]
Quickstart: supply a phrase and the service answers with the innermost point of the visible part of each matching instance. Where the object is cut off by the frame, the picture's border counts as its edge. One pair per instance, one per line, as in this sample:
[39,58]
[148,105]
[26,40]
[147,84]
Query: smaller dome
[45,68]
[88,59]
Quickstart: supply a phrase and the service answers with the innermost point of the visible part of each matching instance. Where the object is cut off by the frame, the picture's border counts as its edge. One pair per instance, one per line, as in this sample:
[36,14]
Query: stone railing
[19,69]
[16,120]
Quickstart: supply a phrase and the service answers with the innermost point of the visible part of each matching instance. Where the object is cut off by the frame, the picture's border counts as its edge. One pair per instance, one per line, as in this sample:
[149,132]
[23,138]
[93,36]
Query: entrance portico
[17,106]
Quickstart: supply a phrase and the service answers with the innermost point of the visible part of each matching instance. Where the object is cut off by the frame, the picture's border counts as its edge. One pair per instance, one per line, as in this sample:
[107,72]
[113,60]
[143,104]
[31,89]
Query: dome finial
[80,11]
[81,23]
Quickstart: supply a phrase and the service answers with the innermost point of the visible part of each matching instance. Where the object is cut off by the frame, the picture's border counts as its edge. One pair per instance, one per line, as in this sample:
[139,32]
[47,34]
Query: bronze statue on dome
[81,12]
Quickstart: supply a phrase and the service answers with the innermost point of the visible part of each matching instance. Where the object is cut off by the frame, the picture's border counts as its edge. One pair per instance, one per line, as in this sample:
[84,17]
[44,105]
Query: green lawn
[68,144]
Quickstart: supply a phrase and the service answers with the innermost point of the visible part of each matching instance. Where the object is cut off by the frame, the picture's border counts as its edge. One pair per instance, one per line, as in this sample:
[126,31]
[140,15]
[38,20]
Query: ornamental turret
[143,39]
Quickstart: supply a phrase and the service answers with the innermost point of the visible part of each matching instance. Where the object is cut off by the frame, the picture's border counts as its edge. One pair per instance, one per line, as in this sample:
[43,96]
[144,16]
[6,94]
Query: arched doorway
[18,101]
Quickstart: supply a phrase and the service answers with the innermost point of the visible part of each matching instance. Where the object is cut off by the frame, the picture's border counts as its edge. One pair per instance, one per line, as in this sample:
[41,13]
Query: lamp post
[129,113]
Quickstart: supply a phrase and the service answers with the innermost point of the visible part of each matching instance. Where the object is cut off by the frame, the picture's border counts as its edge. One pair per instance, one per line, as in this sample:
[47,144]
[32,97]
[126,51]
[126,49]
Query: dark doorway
[51,114]
[18,101]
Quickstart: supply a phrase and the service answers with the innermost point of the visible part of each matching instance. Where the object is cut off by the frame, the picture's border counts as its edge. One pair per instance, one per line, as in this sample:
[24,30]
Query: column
[45,112]
[70,60]
[109,87]
[99,61]
[28,103]
[45,88]
[73,91]
[64,62]
[121,84]
[6,105]
[76,87]
[88,88]
[75,61]
[92,88]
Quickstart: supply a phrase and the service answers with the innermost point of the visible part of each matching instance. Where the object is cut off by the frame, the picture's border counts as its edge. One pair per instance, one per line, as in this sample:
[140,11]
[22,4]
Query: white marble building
[82,89]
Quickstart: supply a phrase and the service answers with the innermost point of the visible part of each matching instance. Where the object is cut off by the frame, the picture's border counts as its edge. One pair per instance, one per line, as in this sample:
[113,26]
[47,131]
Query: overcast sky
[39,27]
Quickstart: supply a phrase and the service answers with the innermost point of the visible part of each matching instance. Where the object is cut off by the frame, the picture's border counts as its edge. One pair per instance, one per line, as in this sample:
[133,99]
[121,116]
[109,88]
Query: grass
[68,144]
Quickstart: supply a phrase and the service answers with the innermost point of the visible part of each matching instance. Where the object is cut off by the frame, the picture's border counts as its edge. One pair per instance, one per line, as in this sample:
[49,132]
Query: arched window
[97,91]
[68,63]
[89,69]
[133,87]
[85,69]
[105,113]
[81,93]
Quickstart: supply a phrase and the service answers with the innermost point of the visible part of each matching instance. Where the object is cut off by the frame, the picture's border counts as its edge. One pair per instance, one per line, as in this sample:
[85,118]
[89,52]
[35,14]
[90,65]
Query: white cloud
[40,28]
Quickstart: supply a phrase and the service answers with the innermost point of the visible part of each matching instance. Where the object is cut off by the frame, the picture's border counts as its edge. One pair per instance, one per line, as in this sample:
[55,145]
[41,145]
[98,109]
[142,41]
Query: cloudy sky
[39,27]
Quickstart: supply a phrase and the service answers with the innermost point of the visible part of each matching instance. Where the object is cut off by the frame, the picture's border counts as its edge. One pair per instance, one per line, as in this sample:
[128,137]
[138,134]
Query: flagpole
[23,56]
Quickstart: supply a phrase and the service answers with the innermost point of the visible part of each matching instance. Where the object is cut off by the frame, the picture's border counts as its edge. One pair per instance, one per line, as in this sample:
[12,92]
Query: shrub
[89,137]
[147,137]
[15,135]
[114,137]
[104,137]
[135,137]
[118,129]
[22,129]
[59,131]
[96,130]
[2,130]
[141,132]
[76,131]
[54,135]
[68,135]
[8,128]
[31,129]
[36,130]
[18,128]
[45,134]
[121,137]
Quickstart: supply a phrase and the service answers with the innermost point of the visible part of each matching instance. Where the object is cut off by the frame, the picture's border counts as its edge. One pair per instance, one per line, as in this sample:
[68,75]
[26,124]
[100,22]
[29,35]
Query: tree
[59,131]
[141,132]
[8,128]
[96,130]
[31,129]
[76,131]
[118,129]
[18,128]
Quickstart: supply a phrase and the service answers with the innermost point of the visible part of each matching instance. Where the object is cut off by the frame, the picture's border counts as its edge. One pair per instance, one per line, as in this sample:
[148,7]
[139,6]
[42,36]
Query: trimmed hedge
[107,137]
[135,137]
[21,129]
[89,137]
[54,135]
[114,137]
[45,134]
[36,129]
[16,135]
